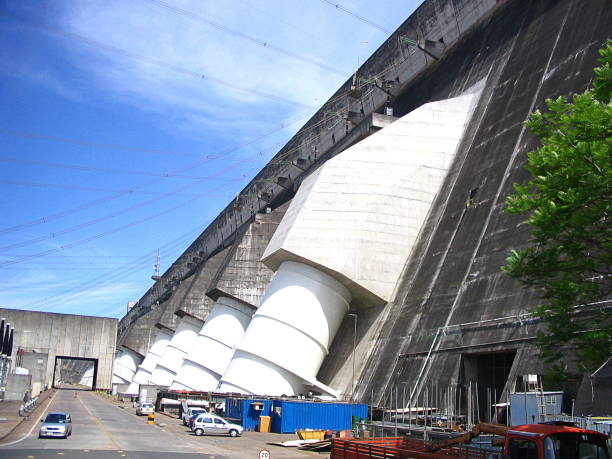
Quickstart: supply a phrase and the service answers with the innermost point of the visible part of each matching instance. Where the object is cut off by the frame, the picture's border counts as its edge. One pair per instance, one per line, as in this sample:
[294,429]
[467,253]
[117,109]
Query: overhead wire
[201,19]
[98,220]
[150,60]
[119,273]
[64,186]
[303,31]
[99,201]
[91,222]
[102,200]
[106,146]
[286,152]
[330,101]
[361,18]
[77,167]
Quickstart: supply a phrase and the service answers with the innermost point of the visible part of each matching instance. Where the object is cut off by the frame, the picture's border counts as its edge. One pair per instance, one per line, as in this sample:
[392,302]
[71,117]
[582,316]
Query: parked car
[192,419]
[145,408]
[190,412]
[215,425]
[56,424]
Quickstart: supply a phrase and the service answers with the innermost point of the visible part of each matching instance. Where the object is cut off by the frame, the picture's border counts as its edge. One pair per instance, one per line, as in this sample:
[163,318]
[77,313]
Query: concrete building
[386,271]
[46,338]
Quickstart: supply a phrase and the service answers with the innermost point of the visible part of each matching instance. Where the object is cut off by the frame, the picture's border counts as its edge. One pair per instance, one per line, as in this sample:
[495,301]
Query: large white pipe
[145,369]
[170,362]
[213,348]
[125,366]
[290,334]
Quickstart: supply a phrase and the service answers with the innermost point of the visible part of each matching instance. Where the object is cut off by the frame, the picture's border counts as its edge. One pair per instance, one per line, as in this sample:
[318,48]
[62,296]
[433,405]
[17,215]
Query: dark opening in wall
[483,377]
[75,373]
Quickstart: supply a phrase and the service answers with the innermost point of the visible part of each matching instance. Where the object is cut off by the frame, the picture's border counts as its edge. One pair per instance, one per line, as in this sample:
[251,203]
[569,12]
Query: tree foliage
[567,203]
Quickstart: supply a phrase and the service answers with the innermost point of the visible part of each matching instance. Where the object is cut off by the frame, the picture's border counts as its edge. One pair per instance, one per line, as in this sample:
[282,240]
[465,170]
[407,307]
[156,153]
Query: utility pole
[354,316]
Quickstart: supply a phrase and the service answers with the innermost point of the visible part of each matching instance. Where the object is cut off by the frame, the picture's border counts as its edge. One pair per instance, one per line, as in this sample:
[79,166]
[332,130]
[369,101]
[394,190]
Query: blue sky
[125,127]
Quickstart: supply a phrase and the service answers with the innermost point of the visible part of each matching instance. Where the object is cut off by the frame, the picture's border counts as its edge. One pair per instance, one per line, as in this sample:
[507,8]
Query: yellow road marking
[100,425]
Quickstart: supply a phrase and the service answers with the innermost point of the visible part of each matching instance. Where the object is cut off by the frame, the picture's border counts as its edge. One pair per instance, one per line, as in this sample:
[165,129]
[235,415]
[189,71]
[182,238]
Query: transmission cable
[363,19]
[76,167]
[96,189]
[107,278]
[196,17]
[148,183]
[154,61]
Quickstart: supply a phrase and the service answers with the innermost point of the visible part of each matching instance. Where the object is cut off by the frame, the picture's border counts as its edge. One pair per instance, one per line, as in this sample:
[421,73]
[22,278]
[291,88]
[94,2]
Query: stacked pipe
[213,348]
[125,366]
[176,351]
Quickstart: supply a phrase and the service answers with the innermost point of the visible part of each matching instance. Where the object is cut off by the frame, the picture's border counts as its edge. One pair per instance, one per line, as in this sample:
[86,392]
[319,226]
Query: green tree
[567,203]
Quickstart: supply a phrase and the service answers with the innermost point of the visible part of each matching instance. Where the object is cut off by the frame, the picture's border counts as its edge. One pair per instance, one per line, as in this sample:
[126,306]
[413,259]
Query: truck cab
[555,441]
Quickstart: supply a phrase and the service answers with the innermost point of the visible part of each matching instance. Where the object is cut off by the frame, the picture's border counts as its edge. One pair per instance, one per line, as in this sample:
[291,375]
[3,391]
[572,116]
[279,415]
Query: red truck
[530,441]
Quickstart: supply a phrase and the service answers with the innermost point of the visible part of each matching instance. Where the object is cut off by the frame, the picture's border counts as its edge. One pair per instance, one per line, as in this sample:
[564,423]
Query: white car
[145,408]
[191,411]
[57,424]
[215,425]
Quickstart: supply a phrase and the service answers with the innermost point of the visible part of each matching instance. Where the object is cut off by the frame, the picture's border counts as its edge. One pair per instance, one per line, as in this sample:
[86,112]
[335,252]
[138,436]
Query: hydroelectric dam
[364,258]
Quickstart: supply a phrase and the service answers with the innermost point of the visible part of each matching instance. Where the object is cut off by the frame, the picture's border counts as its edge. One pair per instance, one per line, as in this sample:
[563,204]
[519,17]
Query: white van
[215,425]
[189,412]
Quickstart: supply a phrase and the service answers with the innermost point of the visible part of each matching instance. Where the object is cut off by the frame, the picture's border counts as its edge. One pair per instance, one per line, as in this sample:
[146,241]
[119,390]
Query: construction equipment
[553,440]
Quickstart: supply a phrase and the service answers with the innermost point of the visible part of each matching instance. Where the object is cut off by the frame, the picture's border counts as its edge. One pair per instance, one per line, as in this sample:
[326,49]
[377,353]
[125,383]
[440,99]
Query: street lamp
[354,316]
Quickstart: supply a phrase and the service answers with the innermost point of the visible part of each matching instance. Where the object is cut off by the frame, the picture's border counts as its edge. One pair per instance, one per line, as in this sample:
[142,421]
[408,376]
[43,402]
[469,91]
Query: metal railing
[28,406]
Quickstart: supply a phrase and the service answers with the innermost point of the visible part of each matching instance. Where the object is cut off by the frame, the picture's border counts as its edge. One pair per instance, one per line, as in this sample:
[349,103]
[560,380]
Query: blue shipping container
[527,407]
[246,412]
[289,416]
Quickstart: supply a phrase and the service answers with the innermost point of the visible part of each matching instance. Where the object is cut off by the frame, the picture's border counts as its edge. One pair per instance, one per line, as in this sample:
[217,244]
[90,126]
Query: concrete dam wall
[82,342]
[375,241]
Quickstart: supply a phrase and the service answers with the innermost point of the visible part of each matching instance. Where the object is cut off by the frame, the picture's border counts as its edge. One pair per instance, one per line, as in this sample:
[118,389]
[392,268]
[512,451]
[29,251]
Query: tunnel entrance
[483,379]
[78,373]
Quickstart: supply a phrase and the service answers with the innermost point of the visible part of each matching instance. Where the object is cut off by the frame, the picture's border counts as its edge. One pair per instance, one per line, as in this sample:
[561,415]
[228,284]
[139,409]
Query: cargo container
[246,412]
[288,416]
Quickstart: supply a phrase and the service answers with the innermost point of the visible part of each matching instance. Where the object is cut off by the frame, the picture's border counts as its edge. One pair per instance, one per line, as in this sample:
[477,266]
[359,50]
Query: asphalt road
[103,430]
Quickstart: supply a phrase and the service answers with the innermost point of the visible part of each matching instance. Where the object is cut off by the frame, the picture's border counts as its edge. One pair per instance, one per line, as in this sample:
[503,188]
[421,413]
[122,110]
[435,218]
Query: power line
[77,167]
[84,143]
[208,157]
[361,18]
[99,220]
[190,166]
[89,223]
[93,189]
[157,62]
[95,221]
[303,31]
[105,279]
[196,17]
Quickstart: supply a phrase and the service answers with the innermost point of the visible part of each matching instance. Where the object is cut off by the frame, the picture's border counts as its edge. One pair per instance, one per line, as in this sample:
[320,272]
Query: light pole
[354,316]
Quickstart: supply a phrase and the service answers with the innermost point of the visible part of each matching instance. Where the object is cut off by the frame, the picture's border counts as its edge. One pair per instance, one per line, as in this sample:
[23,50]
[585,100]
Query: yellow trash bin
[265,423]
